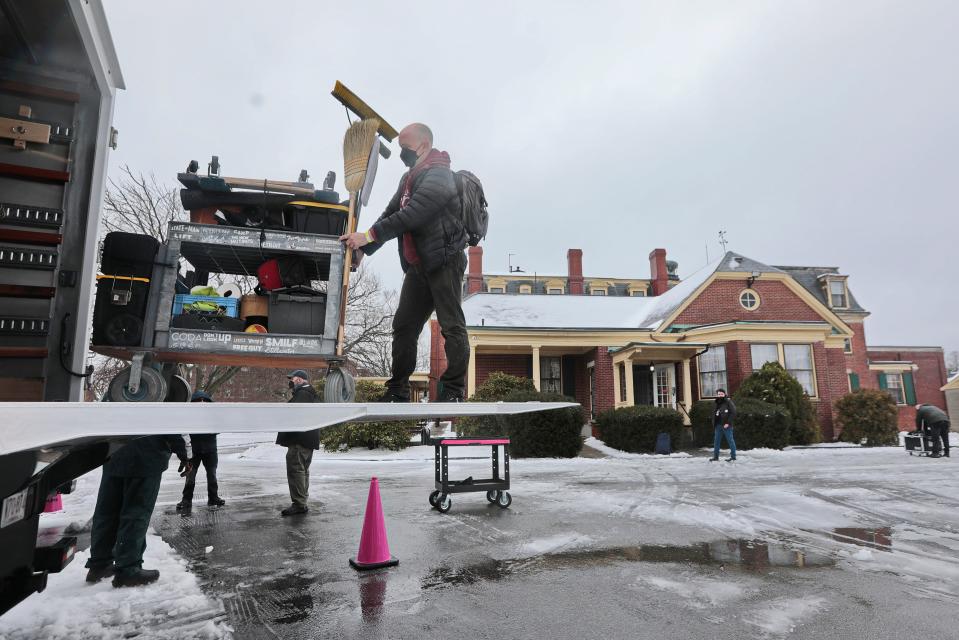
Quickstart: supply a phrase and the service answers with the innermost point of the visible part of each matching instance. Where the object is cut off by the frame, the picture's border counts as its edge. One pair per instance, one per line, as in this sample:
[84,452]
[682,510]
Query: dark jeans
[423,293]
[209,461]
[718,441]
[121,520]
[940,438]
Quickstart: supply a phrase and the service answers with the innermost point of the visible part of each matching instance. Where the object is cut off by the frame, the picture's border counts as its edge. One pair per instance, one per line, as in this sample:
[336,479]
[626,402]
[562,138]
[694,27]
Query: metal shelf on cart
[240,250]
[486,484]
[269,360]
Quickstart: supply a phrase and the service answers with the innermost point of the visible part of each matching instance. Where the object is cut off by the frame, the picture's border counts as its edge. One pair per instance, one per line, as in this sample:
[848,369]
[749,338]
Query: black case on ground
[298,311]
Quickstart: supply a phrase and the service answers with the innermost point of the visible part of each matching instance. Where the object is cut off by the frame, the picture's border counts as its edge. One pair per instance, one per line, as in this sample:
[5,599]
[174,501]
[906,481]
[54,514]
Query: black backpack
[473,212]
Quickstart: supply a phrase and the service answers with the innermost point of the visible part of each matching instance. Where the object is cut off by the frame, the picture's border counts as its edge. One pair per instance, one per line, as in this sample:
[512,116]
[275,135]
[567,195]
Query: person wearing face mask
[723,416]
[299,447]
[424,217]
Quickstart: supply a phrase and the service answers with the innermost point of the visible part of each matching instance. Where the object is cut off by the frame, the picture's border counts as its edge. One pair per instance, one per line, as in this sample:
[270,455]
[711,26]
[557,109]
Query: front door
[664,386]
[642,385]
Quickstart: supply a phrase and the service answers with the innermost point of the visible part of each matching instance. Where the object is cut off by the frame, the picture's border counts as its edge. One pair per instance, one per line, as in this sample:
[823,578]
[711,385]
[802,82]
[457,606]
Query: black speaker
[129,254]
[119,311]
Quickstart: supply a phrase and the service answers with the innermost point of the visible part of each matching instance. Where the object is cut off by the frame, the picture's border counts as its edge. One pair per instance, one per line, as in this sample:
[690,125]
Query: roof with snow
[581,312]
[525,311]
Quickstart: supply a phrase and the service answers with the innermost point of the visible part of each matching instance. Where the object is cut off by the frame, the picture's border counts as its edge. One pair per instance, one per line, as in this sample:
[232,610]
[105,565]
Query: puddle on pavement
[749,555]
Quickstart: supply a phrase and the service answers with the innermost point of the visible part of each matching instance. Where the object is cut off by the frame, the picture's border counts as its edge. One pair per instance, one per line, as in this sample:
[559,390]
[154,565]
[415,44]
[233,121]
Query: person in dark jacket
[424,217]
[128,493]
[299,447]
[724,415]
[202,450]
[936,422]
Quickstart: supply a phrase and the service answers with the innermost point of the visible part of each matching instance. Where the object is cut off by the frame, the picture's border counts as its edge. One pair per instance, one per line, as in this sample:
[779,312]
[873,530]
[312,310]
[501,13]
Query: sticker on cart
[14,508]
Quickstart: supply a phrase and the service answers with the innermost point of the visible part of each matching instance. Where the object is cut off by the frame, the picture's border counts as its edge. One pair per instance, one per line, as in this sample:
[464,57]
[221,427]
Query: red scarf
[435,158]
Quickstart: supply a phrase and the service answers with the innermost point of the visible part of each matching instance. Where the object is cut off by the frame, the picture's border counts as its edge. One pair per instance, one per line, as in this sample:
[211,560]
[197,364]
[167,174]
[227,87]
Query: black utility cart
[496,488]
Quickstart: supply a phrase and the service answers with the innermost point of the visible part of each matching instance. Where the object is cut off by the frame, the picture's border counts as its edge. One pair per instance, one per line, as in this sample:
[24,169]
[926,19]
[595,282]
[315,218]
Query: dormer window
[838,296]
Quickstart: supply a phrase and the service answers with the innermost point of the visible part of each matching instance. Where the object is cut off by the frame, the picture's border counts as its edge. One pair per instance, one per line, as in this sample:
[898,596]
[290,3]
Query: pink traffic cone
[374,549]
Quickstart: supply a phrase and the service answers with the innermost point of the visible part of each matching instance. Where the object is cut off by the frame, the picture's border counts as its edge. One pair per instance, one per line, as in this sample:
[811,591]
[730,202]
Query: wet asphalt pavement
[558,564]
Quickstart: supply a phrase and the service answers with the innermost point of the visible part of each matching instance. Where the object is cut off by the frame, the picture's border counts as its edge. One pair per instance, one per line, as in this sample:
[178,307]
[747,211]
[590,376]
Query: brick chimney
[574,258]
[474,279]
[657,271]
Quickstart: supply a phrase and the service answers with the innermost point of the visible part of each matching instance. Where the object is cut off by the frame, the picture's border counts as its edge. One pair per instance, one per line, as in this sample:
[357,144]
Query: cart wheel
[492,496]
[444,504]
[433,498]
[340,387]
[179,391]
[153,388]
[504,500]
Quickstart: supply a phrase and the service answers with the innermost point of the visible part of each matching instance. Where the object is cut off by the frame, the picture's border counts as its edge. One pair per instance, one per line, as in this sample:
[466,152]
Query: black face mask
[291,384]
[408,156]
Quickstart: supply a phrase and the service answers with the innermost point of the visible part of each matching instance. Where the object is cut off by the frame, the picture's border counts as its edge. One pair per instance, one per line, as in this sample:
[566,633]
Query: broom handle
[347,265]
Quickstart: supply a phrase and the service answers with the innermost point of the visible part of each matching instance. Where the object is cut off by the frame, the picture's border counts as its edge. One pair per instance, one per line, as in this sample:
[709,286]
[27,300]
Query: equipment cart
[133,318]
[496,488]
[918,443]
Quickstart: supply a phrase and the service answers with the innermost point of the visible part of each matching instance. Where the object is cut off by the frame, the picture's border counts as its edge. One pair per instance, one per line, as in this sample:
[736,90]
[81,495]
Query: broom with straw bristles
[357,146]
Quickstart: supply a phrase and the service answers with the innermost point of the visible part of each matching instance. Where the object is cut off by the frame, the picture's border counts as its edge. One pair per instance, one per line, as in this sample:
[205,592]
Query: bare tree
[369,318]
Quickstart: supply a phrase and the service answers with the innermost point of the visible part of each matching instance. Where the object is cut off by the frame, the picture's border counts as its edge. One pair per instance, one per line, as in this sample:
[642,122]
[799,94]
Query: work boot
[96,574]
[294,510]
[730,459]
[714,459]
[391,396]
[945,454]
[216,501]
[184,505]
[137,578]
[936,455]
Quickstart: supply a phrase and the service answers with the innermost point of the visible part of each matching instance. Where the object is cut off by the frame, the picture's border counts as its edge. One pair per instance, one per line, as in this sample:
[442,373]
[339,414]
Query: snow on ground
[70,609]
[784,614]
[602,447]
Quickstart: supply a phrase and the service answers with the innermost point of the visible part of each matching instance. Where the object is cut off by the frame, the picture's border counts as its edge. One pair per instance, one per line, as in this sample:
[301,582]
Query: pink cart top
[468,442]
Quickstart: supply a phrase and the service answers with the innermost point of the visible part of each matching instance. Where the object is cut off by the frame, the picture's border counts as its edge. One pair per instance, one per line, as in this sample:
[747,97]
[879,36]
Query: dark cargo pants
[121,520]
[423,293]
[298,459]
[940,438]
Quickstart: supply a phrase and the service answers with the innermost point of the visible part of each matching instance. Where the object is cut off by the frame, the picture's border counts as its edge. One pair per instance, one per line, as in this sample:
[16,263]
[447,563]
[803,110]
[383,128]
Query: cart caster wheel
[434,497]
[492,496]
[340,387]
[179,390]
[504,500]
[153,388]
[443,504]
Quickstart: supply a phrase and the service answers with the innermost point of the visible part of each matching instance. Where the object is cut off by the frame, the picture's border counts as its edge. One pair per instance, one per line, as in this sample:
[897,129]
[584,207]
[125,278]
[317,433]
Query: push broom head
[357,146]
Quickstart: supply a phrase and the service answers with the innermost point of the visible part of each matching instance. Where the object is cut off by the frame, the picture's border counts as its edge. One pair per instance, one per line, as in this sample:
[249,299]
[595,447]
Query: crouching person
[299,448]
[128,493]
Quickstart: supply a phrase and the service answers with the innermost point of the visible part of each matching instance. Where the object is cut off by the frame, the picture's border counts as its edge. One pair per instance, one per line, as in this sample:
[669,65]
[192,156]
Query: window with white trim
[749,300]
[525,288]
[894,387]
[555,292]
[799,364]
[496,290]
[763,353]
[597,292]
[838,297]
[847,345]
[550,374]
[712,371]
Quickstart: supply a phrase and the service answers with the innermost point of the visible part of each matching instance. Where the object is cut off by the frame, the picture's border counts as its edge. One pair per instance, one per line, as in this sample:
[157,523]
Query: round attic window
[749,299]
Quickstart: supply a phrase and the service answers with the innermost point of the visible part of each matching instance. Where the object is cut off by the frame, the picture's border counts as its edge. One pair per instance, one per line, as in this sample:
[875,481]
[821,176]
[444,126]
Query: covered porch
[654,374]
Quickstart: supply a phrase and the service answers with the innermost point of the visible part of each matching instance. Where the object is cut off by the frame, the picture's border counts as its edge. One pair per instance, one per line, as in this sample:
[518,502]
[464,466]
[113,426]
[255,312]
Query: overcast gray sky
[814,133]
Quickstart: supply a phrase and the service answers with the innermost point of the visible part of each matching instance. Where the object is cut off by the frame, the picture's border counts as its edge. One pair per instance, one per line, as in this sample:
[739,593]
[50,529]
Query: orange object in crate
[203,216]
[256,328]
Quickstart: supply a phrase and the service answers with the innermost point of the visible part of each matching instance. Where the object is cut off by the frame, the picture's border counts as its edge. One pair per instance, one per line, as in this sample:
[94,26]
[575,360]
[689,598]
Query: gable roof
[809,278]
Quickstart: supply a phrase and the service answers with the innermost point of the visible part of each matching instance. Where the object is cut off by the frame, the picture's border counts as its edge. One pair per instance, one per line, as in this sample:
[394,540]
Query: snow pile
[602,447]
[71,609]
[700,592]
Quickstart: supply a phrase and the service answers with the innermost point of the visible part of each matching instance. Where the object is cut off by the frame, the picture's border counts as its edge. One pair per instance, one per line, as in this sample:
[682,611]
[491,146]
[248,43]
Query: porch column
[687,390]
[471,373]
[536,376]
[616,401]
[630,391]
